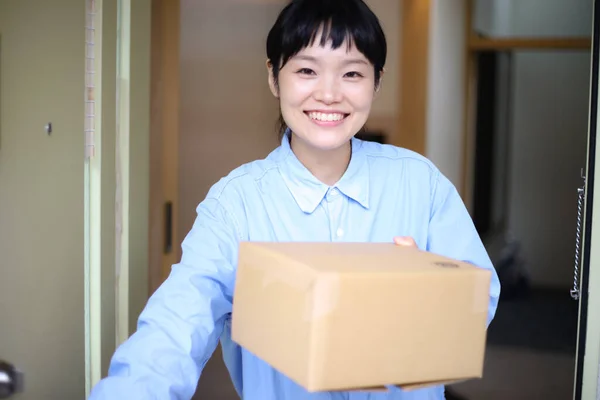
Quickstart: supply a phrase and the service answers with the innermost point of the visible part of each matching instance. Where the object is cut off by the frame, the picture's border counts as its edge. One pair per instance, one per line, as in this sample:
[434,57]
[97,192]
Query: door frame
[116,207]
[587,377]
[101,24]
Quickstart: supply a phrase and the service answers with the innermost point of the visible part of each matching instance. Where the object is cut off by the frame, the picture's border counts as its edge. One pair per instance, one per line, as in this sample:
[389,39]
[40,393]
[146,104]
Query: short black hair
[342,21]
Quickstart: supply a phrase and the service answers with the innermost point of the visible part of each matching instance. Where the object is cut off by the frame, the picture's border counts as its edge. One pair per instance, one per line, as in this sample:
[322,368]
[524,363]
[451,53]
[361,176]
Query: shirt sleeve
[180,326]
[453,234]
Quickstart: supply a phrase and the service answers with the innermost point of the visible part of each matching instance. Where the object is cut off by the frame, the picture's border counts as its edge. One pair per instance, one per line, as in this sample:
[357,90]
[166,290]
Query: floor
[531,350]
[530,354]
[518,374]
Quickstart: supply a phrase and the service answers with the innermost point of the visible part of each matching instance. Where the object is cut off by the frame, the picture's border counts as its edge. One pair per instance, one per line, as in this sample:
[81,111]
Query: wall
[228,114]
[446,84]
[42,297]
[532,18]
[551,18]
[433,73]
[384,113]
[492,17]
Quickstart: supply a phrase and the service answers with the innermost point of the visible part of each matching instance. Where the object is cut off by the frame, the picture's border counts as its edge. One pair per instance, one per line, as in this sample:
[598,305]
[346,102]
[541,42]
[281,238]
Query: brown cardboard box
[359,316]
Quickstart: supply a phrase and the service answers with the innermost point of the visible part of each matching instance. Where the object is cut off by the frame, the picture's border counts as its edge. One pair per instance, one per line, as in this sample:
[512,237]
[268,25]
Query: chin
[328,140]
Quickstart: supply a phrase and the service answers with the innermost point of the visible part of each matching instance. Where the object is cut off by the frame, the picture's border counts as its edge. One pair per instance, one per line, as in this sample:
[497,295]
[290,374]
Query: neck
[327,166]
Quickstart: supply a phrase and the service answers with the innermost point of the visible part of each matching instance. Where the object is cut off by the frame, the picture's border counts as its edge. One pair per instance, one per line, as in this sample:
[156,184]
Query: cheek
[293,92]
[361,97]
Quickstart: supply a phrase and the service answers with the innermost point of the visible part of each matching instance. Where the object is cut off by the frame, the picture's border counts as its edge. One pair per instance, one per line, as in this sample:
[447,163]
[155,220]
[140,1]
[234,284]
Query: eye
[305,71]
[353,74]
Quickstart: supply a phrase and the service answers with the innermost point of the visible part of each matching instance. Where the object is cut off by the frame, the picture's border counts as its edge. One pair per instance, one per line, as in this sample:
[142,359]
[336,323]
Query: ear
[380,83]
[272,83]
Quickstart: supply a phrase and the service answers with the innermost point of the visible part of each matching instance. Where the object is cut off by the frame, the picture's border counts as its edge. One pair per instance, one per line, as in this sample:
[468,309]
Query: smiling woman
[322,184]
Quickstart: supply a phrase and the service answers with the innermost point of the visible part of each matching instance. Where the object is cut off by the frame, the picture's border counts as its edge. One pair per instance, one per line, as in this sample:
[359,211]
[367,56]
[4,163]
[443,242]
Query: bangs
[304,23]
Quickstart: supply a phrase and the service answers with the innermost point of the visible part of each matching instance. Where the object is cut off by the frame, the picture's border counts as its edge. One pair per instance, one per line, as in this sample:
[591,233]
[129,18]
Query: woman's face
[325,94]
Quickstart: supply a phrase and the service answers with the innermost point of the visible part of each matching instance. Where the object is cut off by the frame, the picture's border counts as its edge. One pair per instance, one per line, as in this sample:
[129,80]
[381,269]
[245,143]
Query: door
[42,325]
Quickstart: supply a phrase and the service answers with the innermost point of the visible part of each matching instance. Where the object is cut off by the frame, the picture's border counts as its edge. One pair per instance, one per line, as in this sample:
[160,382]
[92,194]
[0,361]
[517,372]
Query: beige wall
[228,114]
[384,114]
[42,316]
[446,88]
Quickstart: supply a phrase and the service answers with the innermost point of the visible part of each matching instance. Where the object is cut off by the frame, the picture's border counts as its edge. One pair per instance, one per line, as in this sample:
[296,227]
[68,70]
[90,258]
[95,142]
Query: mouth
[330,118]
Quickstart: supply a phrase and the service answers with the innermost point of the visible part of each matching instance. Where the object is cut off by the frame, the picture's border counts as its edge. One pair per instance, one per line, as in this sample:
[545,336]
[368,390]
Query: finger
[405,241]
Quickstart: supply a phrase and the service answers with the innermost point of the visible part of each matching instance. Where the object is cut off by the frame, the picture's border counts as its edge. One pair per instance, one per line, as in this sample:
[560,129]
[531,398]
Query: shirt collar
[308,191]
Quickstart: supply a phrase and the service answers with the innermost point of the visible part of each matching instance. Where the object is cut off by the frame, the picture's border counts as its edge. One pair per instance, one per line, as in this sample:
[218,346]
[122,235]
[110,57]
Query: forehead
[346,51]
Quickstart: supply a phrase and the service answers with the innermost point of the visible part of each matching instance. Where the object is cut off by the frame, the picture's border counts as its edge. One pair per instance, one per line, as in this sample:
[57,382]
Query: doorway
[530,69]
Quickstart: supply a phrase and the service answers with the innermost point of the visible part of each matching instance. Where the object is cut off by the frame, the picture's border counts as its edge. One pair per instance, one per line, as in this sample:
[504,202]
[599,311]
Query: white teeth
[326,117]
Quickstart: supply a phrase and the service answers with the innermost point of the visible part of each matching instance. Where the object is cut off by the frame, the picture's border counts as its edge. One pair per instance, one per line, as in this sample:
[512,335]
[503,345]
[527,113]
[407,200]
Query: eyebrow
[346,62]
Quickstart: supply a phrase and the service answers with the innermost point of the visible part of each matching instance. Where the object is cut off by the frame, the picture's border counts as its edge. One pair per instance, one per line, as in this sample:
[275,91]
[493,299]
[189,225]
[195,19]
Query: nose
[328,91]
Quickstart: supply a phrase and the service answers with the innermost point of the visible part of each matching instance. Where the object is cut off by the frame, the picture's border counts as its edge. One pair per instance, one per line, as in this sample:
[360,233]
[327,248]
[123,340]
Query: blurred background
[174,96]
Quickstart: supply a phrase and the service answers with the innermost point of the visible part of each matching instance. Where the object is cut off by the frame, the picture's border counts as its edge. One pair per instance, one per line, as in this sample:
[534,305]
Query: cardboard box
[360,316]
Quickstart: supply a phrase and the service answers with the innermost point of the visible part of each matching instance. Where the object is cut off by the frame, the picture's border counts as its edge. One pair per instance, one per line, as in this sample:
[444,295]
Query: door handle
[11,380]
[168,245]
[575,292]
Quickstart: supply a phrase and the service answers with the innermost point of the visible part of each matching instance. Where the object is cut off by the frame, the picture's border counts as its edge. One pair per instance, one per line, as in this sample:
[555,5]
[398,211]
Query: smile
[326,118]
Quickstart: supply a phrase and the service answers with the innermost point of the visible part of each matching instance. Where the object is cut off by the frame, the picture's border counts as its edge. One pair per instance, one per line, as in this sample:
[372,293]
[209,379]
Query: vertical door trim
[93,203]
[164,139]
[100,198]
[122,154]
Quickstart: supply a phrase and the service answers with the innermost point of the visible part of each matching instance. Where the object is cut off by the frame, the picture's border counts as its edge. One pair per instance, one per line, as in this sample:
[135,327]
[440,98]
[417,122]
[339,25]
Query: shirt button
[331,195]
[340,232]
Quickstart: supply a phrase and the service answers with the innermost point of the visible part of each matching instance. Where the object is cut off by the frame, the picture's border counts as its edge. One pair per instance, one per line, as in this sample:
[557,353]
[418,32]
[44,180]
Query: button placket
[335,205]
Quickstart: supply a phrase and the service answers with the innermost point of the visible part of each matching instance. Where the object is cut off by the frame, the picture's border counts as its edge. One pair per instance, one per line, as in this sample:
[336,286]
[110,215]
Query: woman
[325,65]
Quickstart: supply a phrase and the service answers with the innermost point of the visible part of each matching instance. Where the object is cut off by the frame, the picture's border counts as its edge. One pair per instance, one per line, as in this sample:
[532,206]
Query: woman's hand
[405,241]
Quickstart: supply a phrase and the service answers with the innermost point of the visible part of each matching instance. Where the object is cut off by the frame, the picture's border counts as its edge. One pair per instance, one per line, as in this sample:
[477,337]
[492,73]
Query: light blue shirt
[385,192]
